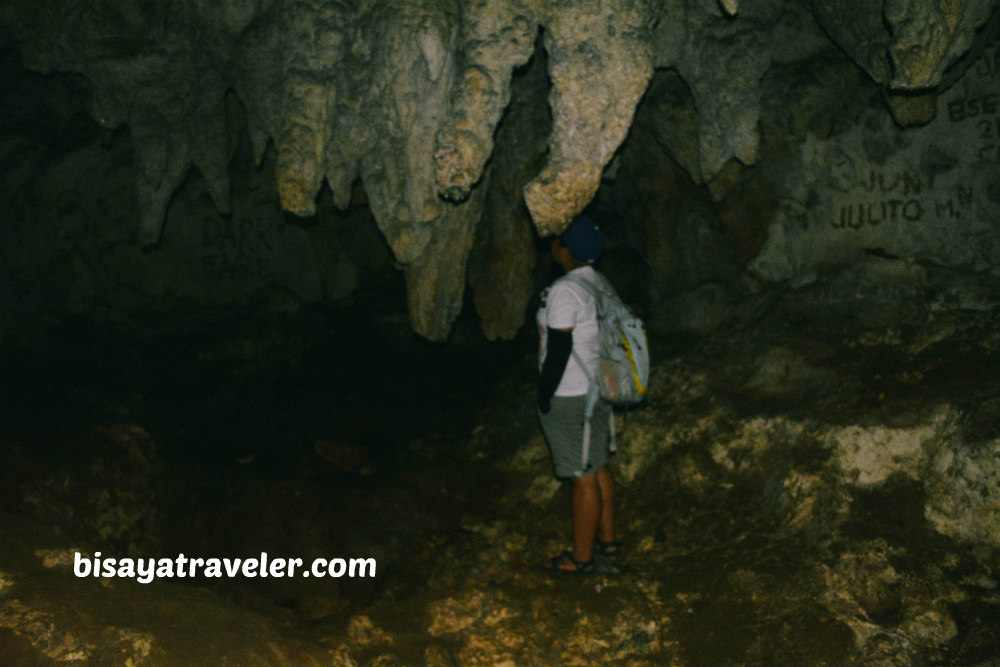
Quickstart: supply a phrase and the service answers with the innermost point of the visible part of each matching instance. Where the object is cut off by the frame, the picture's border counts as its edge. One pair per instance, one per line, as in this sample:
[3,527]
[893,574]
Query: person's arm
[559,348]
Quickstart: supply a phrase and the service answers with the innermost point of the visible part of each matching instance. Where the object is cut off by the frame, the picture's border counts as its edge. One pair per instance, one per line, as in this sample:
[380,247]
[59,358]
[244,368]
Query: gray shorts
[564,431]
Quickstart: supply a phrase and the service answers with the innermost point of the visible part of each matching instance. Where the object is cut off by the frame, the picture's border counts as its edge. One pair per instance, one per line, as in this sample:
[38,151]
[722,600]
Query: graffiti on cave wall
[969,123]
[72,215]
[900,198]
[981,108]
[927,191]
[237,247]
[977,109]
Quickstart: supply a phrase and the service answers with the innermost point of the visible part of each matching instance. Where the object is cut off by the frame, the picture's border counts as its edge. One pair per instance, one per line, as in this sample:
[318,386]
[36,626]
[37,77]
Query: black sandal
[582,567]
[611,549]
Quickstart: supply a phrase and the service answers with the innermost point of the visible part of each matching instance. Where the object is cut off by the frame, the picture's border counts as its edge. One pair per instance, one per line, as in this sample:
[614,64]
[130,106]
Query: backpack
[623,350]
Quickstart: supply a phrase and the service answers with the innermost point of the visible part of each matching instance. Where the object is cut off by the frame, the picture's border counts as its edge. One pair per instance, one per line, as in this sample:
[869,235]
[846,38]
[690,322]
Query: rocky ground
[789,495]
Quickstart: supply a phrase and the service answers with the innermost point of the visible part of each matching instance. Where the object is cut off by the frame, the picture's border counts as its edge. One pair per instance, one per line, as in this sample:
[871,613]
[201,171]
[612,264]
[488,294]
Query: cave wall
[931,193]
[861,213]
[702,132]
[70,244]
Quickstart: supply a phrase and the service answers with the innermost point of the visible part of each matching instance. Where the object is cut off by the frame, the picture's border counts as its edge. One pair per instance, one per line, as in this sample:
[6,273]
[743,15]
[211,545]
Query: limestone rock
[670,115]
[496,38]
[882,39]
[112,499]
[404,100]
[723,67]
[435,281]
[600,63]
[503,257]
[961,500]
[864,585]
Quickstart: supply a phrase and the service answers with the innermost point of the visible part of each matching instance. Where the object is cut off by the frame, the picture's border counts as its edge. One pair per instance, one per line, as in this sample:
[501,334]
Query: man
[568,357]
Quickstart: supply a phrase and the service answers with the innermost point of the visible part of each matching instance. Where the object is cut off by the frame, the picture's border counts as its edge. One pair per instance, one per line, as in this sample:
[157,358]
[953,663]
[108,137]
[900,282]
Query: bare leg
[606,521]
[586,513]
[593,515]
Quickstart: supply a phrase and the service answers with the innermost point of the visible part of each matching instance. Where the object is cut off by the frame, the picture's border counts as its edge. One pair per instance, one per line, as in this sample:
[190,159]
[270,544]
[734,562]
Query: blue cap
[584,239]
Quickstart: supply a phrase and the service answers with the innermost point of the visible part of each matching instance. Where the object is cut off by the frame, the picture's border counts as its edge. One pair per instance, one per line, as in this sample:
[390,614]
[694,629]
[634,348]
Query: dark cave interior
[289,407]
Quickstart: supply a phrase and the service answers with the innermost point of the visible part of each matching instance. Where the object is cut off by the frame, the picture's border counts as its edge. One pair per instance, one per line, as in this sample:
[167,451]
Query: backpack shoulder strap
[597,291]
[582,282]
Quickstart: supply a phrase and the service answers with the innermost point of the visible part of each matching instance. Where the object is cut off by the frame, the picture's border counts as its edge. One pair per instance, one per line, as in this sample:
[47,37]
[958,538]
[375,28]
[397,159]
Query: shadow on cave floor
[744,548]
[295,436]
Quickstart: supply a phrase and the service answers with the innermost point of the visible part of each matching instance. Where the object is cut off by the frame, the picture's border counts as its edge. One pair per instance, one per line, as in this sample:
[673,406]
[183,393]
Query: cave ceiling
[406,97]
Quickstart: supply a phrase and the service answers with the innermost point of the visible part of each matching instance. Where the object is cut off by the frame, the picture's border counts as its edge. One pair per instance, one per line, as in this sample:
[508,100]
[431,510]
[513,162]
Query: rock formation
[789,494]
[405,100]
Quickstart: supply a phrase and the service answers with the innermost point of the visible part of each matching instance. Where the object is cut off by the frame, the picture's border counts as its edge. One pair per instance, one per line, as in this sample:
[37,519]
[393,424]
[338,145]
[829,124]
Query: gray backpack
[623,357]
[623,350]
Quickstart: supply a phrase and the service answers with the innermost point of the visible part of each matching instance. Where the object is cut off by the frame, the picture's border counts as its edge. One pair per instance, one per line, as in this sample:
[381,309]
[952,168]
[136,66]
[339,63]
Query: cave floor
[742,547]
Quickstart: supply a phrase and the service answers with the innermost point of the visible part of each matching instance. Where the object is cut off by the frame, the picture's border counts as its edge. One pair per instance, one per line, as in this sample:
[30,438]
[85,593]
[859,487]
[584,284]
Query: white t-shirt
[567,305]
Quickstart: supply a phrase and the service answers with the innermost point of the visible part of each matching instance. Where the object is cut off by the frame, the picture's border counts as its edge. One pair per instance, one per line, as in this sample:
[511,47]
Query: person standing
[568,360]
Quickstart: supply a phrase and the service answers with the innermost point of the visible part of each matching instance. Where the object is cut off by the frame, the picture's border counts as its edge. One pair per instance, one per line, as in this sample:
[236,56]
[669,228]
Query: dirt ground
[783,501]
